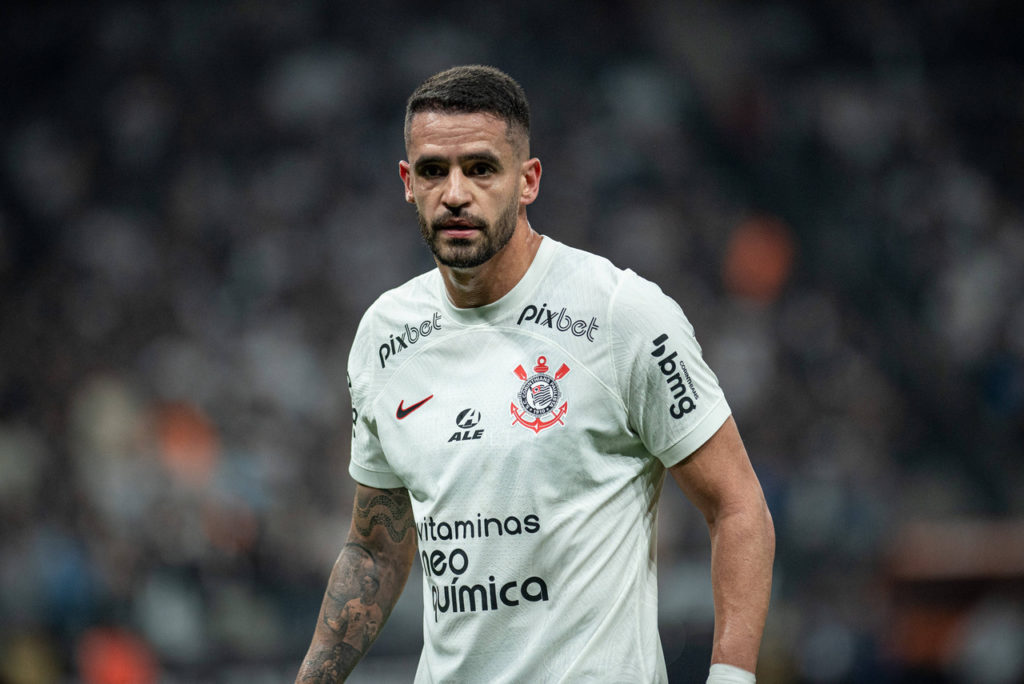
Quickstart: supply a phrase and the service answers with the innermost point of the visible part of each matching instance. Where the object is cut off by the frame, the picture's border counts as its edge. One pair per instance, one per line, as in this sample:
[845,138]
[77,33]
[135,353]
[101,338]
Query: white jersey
[533,435]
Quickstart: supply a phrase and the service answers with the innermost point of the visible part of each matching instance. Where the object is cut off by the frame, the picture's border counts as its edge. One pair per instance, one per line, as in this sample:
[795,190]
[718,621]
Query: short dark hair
[471,89]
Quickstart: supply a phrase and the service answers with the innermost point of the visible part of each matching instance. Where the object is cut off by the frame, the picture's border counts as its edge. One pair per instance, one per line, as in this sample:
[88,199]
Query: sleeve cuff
[696,437]
[373,478]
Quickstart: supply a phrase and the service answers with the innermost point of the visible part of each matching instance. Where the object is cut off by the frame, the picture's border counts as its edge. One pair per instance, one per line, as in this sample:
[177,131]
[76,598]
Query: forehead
[438,133]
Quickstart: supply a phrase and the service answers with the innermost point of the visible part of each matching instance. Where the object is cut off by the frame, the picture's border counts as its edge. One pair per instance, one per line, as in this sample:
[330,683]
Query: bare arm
[381,544]
[720,481]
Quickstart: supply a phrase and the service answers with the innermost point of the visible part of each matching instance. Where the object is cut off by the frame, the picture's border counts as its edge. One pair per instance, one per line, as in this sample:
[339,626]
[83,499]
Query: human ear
[531,180]
[406,173]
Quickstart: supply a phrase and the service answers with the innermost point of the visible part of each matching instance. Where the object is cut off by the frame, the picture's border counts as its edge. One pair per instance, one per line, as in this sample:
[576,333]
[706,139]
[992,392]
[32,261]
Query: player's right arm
[381,542]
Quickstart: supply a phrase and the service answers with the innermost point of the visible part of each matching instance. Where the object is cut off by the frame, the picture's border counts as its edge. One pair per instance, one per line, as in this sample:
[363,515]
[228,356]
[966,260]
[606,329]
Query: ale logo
[539,396]
[466,420]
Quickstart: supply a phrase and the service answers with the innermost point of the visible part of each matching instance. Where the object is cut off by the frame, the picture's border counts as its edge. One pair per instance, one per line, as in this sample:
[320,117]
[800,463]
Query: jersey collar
[513,300]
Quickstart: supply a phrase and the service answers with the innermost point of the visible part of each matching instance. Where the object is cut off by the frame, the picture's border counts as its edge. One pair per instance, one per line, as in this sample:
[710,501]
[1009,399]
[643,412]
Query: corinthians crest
[539,397]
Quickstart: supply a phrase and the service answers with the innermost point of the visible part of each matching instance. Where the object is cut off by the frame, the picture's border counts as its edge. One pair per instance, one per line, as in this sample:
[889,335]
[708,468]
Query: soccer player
[515,411]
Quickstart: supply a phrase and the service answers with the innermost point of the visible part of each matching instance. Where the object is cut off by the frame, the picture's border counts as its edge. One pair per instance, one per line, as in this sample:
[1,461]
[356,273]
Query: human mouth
[459,232]
[458,228]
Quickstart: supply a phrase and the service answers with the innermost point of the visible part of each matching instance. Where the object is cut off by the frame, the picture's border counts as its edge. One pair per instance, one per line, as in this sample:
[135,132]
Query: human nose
[456,190]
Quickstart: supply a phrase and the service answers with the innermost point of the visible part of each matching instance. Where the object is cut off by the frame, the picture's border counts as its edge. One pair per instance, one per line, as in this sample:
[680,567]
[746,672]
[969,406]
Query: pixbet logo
[397,343]
[558,320]
[674,371]
[467,419]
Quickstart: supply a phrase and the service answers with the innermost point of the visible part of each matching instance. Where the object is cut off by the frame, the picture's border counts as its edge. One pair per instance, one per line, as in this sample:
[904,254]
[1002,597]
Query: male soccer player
[515,411]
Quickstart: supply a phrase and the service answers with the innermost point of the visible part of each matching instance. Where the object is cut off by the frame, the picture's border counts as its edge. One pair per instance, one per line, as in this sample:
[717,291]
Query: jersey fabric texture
[533,436]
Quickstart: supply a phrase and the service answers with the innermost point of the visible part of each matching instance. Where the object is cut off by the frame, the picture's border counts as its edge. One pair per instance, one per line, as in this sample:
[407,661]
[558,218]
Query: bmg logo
[674,371]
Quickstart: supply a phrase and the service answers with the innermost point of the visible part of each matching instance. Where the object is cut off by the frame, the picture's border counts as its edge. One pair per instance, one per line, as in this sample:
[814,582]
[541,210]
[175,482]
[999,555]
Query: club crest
[539,396]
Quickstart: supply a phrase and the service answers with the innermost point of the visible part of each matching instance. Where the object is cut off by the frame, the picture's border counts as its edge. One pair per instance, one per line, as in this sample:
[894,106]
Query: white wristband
[720,673]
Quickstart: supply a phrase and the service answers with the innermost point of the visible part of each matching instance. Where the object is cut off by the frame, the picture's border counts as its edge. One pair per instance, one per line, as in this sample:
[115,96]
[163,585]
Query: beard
[468,253]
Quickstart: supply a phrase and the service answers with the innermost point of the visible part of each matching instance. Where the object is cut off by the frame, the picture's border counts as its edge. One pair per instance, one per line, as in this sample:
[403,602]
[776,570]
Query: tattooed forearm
[325,666]
[365,584]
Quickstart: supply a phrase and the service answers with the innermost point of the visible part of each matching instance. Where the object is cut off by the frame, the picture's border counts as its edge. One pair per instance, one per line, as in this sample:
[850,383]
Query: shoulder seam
[609,316]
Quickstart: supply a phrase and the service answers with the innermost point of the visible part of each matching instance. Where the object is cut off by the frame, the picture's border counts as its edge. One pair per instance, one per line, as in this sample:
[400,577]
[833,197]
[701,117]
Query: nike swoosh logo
[402,411]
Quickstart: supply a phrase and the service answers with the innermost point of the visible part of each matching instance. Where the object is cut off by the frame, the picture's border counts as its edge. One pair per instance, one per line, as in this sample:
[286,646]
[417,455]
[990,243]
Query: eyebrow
[471,157]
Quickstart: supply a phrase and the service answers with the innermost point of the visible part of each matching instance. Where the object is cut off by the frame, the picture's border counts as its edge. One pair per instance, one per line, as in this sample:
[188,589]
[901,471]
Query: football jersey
[533,435]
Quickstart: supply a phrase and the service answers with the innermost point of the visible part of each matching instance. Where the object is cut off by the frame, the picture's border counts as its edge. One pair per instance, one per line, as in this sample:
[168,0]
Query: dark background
[199,199]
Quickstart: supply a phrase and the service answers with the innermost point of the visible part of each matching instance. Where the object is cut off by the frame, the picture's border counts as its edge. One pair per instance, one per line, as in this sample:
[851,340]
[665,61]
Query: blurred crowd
[199,199]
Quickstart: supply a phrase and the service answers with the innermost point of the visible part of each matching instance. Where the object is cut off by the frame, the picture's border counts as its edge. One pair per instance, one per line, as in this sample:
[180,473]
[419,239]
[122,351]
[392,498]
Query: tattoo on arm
[390,512]
[365,583]
[323,666]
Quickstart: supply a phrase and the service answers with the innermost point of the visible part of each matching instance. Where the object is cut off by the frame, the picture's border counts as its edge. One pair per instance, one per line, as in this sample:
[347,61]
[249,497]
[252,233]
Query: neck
[487,283]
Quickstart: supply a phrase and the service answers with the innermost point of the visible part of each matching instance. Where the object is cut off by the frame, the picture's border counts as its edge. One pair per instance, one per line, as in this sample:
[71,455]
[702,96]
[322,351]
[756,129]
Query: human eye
[431,170]
[480,169]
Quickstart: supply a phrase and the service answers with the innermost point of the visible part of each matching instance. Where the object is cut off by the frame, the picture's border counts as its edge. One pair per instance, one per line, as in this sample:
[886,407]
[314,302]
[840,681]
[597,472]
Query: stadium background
[198,200]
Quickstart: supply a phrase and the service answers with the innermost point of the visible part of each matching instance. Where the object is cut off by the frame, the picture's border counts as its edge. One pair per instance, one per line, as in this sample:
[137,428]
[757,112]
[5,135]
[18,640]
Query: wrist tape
[720,673]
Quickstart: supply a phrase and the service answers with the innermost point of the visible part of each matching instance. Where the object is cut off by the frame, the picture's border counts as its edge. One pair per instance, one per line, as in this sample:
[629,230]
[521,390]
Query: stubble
[465,253]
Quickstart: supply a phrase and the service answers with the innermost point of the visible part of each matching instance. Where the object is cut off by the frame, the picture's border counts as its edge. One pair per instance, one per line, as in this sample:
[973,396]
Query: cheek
[420,198]
[500,196]
[515,193]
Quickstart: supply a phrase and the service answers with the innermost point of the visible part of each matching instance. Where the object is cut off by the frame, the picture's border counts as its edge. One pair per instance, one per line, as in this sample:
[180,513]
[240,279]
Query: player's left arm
[719,479]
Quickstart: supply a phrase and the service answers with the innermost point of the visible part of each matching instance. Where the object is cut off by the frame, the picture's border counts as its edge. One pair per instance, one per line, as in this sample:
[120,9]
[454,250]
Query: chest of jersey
[492,410]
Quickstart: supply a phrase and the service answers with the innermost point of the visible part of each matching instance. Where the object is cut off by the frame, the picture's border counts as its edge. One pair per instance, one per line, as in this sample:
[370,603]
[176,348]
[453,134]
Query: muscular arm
[720,481]
[382,543]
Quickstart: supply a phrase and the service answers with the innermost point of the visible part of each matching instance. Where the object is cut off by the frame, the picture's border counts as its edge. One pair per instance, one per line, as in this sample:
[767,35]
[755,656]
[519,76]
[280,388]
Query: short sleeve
[673,398]
[368,464]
